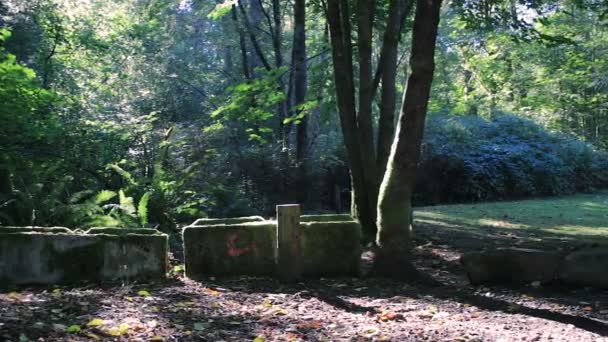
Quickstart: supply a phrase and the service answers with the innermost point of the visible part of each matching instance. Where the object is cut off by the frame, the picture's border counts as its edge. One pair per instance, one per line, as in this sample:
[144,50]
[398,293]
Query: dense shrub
[471,159]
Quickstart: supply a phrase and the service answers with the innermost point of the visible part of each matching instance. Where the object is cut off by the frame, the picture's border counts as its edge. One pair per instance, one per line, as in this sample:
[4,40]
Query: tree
[356,121]
[300,85]
[394,207]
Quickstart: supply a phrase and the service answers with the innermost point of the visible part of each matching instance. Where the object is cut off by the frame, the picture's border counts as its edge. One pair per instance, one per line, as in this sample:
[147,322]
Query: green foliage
[506,157]
[253,103]
[221,9]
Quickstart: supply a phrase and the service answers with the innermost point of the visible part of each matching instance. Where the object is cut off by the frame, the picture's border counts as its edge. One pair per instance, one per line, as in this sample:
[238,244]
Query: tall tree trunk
[300,83]
[398,9]
[394,208]
[242,43]
[338,17]
[365,20]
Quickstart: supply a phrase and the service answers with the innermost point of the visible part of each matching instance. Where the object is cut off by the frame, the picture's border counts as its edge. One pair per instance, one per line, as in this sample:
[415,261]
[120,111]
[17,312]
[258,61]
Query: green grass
[578,217]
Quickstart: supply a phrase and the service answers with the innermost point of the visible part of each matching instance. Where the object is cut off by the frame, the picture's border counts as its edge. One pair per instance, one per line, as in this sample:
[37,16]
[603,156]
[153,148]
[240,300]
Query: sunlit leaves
[222,9]
[253,103]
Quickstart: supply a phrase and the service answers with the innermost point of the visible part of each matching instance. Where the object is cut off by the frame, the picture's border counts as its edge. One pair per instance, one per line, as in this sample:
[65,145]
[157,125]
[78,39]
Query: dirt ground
[352,309]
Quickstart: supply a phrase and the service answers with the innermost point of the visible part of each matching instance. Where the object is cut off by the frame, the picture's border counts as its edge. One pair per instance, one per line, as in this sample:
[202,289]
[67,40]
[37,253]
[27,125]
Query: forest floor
[350,309]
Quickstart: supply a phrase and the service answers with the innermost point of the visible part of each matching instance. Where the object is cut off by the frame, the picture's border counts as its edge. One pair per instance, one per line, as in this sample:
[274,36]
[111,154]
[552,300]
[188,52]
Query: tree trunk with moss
[394,238]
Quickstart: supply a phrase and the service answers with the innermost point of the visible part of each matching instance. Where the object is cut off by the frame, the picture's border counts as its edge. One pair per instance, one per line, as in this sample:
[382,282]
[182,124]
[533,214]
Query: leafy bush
[471,159]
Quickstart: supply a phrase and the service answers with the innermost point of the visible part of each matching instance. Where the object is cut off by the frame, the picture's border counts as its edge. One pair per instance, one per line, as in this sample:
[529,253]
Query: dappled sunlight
[581,216]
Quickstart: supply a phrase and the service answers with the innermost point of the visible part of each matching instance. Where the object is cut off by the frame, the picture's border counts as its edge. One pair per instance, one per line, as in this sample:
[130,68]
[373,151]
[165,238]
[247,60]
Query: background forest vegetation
[154,112]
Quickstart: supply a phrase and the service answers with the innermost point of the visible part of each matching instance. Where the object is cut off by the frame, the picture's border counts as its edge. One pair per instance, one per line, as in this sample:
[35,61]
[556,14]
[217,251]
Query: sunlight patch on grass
[584,214]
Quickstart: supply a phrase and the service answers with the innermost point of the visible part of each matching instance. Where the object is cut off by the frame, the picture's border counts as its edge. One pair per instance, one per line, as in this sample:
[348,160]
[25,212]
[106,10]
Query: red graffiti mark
[234,250]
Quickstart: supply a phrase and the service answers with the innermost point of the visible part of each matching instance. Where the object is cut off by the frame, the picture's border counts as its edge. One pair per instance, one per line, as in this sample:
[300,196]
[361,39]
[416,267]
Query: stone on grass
[326,218]
[225,221]
[230,249]
[511,265]
[58,258]
[587,267]
[331,248]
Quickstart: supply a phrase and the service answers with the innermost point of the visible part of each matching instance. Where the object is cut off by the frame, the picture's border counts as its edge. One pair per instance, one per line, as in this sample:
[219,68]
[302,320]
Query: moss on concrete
[326,218]
[42,258]
[122,231]
[331,248]
[49,230]
[225,221]
[229,250]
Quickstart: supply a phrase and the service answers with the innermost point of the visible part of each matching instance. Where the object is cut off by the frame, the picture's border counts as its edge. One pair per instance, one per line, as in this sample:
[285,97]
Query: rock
[511,265]
[588,267]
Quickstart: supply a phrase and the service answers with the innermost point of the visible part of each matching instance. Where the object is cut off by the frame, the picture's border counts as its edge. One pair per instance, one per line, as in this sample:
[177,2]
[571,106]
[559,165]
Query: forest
[472,122]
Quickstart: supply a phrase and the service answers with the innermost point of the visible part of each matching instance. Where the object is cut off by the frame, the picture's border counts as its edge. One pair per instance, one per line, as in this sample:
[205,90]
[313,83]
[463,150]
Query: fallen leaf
[588,308]
[143,293]
[73,328]
[214,292]
[95,322]
[93,336]
[258,339]
[310,325]
[156,338]
[14,296]
[118,330]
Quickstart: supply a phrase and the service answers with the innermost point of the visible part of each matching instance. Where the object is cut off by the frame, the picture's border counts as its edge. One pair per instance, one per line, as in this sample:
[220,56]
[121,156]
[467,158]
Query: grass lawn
[577,218]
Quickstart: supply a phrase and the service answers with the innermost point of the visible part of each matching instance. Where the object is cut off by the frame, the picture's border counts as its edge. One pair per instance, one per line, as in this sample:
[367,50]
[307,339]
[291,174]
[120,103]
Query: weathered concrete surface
[122,231]
[585,268]
[511,265]
[331,248]
[42,258]
[224,221]
[230,249]
[51,230]
[326,218]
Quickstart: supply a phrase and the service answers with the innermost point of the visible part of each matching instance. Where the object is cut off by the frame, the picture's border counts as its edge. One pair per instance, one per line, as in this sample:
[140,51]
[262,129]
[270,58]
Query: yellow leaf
[95,322]
[14,296]
[130,299]
[214,292]
[143,293]
[156,338]
[119,330]
[258,339]
[93,336]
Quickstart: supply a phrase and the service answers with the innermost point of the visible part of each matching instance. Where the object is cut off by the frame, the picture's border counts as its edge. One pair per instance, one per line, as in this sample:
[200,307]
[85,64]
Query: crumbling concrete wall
[581,268]
[331,248]
[39,257]
[326,218]
[225,221]
[230,249]
[328,249]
